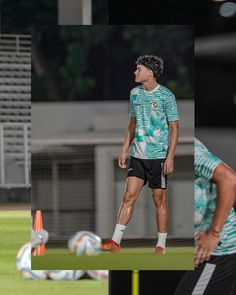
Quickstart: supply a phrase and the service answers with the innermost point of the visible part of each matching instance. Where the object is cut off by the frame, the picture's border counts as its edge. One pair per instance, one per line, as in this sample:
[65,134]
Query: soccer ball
[85,243]
[68,275]
[23,264]
[98,274]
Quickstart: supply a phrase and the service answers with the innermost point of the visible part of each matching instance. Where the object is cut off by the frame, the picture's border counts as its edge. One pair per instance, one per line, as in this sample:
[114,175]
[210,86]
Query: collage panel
[82,77]
[214,27]
[17,275]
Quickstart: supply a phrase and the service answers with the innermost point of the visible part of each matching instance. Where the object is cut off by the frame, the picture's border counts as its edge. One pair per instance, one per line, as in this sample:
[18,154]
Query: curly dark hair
[152,62]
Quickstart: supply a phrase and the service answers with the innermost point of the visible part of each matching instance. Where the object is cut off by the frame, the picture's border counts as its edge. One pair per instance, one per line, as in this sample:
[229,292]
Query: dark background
[72,63]
[201,13]
[150,282]
[18,16]
[215,73]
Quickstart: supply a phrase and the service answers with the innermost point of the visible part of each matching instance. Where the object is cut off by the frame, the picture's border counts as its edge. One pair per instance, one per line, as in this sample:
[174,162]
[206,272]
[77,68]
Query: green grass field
[176,258]
[15,231]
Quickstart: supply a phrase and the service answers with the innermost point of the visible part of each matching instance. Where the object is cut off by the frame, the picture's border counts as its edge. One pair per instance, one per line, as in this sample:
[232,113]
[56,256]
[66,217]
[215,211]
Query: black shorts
[215,277]
[148,170]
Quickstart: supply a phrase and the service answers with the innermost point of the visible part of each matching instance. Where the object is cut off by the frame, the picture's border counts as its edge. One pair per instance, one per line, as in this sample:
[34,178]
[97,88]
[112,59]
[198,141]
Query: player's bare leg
[132,189]
[159,198]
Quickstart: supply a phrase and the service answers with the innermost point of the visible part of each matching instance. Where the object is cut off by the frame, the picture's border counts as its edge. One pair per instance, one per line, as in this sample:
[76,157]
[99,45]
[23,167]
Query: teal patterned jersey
[152,110]
[206,197]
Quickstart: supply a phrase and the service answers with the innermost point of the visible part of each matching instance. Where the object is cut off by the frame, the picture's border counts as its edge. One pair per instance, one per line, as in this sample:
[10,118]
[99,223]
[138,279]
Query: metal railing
[15,43]
[4,183]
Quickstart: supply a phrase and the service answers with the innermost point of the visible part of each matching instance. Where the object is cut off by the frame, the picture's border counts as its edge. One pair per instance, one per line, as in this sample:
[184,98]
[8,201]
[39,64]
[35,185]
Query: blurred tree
[70,63]
[18,16]
[175,45]
[97,62]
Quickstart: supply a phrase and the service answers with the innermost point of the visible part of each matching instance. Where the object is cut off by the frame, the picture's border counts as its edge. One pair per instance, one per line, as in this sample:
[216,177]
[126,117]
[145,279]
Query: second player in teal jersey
[206,202]
[153,133]
[215,227]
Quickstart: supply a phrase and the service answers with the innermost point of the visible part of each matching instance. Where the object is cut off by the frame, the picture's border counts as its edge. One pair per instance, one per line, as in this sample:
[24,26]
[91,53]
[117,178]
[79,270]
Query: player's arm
[225,179]
[174,136]
[129,136]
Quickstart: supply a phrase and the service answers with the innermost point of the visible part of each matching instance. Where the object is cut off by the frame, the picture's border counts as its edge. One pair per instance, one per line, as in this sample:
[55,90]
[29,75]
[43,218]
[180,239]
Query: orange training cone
[38,225]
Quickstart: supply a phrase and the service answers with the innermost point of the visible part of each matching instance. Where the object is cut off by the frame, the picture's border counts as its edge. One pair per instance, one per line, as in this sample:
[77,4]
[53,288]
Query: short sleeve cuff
[132,115]
[206,165]
[173,117]
[211,168]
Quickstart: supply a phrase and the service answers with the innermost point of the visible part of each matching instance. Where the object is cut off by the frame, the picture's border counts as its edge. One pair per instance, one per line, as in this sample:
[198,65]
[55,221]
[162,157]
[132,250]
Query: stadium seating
[15,106]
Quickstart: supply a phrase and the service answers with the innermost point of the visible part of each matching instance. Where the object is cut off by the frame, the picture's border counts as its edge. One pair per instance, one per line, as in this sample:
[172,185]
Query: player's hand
[168,166]
[122,160]
[206,244]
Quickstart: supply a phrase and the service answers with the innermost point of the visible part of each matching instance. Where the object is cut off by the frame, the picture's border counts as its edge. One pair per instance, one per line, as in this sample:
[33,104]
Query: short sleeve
[131,107]
[205,163]
[171,108]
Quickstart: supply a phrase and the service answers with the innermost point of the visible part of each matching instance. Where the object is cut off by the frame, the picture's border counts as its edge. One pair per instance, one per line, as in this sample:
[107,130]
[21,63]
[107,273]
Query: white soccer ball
[101,275]
[67,275]
[23,264]
[85,243]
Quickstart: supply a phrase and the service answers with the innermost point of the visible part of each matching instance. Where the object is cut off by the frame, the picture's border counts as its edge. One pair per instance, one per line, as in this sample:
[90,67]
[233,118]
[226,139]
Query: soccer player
[215,228]
[153,132]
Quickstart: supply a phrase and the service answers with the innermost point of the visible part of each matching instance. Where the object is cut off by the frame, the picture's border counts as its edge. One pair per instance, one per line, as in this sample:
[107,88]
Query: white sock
[161,240]
[118,233]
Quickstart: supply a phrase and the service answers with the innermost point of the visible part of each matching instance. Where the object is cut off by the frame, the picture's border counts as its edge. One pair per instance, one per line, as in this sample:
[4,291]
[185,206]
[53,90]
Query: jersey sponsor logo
[130,169]
[154,105]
